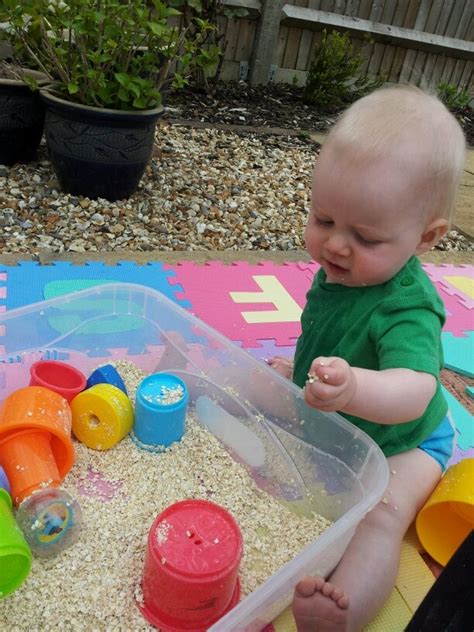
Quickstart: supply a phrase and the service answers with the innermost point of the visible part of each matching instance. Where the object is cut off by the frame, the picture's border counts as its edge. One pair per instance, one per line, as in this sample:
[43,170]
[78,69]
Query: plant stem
[45,38]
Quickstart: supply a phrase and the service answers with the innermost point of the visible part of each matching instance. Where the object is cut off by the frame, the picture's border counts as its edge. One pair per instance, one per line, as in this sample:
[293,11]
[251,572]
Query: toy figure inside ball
[50,521]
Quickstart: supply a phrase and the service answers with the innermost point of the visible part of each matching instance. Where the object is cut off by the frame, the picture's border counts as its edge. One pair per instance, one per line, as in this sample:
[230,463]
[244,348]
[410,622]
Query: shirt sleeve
[409,338]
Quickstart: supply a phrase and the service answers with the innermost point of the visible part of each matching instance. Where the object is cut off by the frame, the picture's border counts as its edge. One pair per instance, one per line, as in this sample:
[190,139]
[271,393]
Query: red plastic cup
[190,579]
[59,377]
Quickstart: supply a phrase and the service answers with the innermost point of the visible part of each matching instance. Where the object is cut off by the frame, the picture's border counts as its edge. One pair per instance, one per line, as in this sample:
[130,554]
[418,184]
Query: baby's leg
[367,572]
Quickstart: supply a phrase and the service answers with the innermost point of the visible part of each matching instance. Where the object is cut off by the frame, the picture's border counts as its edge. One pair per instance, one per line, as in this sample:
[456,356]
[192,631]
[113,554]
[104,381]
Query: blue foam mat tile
[459,353]
[463,421]
[29,282]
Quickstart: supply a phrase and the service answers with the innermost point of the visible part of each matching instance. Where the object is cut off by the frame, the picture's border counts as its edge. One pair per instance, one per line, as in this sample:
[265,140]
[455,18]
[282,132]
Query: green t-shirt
[393,325]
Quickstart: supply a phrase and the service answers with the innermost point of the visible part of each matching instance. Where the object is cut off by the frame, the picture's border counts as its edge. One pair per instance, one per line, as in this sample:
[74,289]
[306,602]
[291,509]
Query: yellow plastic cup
[101,416]
[447,518]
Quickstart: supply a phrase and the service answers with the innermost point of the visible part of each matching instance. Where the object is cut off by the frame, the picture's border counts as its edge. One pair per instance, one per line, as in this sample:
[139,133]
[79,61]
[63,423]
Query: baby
[383,192]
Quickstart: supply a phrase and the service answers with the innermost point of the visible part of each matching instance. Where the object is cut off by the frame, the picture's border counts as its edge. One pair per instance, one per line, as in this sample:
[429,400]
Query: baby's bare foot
[282,365]
[319,606]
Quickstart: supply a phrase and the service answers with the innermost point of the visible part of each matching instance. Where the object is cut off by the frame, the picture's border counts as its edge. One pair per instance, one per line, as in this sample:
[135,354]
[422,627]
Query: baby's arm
[391,396]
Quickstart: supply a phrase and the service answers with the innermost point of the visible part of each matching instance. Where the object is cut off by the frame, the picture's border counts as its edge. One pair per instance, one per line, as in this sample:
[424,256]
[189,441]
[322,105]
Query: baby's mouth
[334,268]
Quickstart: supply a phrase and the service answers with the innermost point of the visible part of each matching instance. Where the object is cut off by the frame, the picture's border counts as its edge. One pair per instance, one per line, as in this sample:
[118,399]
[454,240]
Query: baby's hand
[331,384]
[282,365]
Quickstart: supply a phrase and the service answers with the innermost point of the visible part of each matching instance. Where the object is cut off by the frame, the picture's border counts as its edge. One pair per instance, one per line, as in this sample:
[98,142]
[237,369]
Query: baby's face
[362,227]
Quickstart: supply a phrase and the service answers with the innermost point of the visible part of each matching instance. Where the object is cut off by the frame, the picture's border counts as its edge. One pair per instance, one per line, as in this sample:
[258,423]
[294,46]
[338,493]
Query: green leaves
[123,79]
[118,53]
[238,12]
[157,28]
[72,87]
[136,93]
[195,4]
[104,53]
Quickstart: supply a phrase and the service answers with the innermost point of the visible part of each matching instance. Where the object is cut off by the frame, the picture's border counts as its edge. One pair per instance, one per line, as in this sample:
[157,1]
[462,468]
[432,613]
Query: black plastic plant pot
[98,152]
[21,120]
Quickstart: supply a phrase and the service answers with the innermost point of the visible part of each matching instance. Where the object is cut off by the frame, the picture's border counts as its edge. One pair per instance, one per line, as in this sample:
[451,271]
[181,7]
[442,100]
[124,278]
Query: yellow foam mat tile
[411,537]
[393,617]
[285,622]
[413,582]
[414,577]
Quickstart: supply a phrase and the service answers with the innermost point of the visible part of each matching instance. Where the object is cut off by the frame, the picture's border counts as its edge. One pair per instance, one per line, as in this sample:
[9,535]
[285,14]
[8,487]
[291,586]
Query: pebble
[204,189]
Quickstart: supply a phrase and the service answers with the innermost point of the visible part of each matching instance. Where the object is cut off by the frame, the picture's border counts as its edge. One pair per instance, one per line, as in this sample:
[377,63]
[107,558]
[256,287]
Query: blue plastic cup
[160,411]
[106,374]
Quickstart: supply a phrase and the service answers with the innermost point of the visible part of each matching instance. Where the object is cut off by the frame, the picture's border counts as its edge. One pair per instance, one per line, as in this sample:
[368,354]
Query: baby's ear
[432,234]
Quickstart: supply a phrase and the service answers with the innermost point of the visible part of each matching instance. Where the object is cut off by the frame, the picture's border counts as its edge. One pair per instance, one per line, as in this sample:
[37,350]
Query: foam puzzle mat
[258,307]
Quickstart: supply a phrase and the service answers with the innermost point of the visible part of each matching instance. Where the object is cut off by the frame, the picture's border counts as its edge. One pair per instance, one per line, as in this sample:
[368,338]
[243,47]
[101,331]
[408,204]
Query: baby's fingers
[318,395]
[319,391]
[332,371]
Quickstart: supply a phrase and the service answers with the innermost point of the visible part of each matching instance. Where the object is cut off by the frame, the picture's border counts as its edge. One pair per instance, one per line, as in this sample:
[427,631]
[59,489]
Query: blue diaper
[440,444]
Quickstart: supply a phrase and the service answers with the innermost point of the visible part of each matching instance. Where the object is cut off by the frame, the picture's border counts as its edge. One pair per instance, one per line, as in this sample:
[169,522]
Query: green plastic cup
[15,554]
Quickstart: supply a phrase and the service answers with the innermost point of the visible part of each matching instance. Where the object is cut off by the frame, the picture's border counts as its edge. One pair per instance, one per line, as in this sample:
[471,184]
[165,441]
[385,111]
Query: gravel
[205,189]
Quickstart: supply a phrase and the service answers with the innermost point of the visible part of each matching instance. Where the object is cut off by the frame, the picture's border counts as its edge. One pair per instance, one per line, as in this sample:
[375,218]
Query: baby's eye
[323,222]
[367,242]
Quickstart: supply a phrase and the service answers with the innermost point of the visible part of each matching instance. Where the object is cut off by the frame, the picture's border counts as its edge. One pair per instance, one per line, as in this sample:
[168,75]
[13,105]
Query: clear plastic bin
[299,454]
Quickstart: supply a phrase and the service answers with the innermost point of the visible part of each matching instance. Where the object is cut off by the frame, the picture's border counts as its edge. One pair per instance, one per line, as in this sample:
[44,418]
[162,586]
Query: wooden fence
[424,42]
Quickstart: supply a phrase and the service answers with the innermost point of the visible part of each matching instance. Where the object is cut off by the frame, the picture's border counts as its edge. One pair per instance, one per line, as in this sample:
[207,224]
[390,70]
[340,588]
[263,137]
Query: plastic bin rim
[134,287]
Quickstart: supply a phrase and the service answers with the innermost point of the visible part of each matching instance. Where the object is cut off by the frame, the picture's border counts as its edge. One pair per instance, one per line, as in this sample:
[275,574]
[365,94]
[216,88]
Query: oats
[94,585]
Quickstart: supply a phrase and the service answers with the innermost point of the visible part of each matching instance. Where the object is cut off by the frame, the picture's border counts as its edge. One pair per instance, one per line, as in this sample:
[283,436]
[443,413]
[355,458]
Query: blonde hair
[391,120]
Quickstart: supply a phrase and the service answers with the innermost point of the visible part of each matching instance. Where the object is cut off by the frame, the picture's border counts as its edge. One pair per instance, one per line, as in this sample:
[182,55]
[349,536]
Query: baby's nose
[338,244]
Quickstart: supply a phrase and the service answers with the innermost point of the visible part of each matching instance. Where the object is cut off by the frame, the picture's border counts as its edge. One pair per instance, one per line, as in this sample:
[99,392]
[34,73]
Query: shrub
[334,77]
[454,98]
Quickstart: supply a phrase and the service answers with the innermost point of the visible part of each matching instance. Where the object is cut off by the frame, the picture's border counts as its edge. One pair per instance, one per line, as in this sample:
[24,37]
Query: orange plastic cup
[36,450]
[447,517]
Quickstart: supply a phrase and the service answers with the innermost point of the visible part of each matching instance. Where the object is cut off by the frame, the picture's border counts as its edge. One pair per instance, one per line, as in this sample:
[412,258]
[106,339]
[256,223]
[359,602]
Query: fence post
[265,41]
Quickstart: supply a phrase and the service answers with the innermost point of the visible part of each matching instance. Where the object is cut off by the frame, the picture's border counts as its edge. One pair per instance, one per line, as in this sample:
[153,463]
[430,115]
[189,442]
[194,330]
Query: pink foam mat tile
[459,319]
[248,302]
[268,349]
[456,281]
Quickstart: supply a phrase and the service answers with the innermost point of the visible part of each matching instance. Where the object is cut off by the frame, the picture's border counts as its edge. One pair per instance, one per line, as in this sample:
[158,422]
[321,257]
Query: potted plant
[107,61]
[21,111]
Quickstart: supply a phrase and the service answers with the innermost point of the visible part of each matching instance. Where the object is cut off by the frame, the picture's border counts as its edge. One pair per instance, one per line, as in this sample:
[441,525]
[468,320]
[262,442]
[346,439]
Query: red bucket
[190,579]
[59,377]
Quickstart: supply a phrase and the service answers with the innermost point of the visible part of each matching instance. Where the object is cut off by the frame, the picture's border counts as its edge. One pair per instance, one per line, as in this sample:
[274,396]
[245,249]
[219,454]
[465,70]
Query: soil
[8,71]
[274,105]
[466,117]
